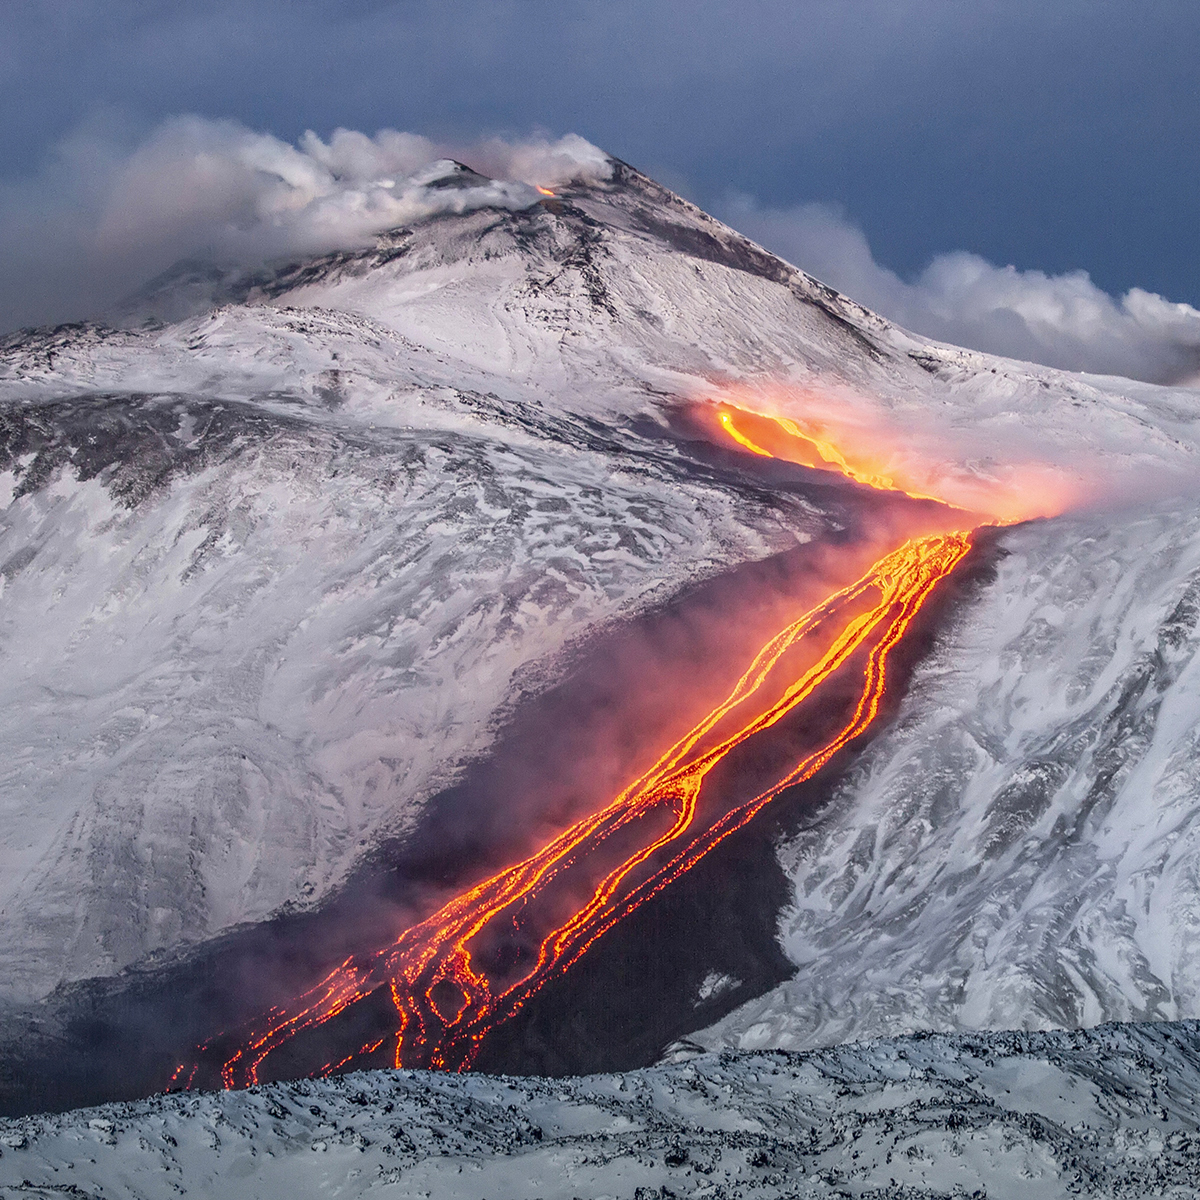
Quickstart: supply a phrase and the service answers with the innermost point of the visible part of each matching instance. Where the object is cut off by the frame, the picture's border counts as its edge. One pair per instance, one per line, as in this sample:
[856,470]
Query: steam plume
[103,217]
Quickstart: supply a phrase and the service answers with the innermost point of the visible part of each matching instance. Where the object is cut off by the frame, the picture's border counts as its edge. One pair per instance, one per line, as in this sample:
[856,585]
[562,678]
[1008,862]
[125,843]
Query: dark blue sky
[1051,135]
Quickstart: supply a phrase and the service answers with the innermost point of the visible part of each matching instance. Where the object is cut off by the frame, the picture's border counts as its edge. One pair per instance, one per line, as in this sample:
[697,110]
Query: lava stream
[787,440]
[446,999]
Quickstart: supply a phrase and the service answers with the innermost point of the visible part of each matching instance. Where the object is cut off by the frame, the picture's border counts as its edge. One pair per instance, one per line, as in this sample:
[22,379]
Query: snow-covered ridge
[1104,1113]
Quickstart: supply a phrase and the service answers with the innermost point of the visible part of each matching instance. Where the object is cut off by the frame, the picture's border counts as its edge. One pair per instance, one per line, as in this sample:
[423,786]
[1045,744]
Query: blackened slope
[136,443]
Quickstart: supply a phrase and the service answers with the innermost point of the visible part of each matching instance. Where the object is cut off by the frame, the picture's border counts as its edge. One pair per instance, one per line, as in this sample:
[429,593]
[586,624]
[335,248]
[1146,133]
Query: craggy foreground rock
[1107,1112]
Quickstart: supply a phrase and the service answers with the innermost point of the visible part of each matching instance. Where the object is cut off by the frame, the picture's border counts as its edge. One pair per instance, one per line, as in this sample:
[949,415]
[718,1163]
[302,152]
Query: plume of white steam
[539,161]
[99,220]
[1058,320]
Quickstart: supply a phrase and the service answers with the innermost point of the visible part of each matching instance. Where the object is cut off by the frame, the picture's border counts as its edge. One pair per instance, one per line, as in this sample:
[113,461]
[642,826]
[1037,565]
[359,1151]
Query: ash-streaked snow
[244,636]
[272,570]
[1105,1113]
[1022,849]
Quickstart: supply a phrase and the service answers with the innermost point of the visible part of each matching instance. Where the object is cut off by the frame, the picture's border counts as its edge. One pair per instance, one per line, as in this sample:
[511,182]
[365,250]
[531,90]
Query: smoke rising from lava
[449,988]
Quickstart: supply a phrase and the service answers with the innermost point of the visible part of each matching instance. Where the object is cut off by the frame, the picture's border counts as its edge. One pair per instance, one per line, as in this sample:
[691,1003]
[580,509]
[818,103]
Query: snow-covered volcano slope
[1023,848]
[269,573]
[1106,1113]
[242,635]
[271,570]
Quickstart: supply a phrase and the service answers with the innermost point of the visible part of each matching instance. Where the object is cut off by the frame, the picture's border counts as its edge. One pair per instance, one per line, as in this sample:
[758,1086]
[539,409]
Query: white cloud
[1059,320]
[101,217]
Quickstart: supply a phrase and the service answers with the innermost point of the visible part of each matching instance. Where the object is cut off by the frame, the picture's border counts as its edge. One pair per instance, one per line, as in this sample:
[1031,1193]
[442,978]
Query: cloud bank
[1058,320]
[102,217]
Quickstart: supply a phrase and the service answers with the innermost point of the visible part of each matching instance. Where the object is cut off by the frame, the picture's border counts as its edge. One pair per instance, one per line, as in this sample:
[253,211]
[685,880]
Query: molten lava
[881,449]
[450,979]
[773,436]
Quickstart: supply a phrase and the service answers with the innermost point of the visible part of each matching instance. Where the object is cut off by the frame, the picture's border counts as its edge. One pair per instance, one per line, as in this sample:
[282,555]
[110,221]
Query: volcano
[334,588]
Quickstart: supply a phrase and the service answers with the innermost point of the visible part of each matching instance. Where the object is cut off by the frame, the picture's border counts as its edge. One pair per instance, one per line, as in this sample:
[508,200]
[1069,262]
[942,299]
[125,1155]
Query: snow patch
[1108,1114]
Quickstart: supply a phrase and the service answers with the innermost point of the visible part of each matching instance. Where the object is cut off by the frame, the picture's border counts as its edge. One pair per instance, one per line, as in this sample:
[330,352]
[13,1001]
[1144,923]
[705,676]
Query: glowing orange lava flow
[446,999]
[730,428]
[787,440]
